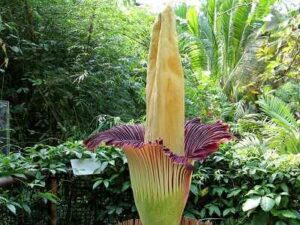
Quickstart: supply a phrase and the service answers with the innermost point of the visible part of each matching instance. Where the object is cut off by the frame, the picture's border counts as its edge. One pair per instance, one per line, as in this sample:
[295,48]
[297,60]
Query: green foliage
[289,92]
[219,33]
[283,131]
[278,111]
[232,187]
[280,52]
[205,100]
[246,188]
[39,164]
[247,47]
[277,56]
[69,62]
[271,126]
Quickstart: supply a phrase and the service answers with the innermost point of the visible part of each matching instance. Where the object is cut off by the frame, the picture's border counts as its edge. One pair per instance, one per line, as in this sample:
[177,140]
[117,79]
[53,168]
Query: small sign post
[4,127]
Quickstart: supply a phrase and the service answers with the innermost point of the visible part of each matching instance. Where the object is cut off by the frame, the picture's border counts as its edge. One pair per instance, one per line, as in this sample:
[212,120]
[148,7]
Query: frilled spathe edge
[118,136]
[201,140]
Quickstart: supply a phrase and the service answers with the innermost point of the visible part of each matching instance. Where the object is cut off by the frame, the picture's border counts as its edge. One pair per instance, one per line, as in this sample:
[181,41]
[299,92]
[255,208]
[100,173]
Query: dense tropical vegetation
[72,68]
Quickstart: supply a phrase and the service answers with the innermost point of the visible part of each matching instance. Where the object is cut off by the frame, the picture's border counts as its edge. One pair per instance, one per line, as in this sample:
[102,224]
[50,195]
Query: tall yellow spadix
[165,85]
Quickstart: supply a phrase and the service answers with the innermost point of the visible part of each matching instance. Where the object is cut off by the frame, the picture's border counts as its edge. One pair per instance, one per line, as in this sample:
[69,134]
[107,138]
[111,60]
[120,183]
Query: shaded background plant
[220,186]
[73,61]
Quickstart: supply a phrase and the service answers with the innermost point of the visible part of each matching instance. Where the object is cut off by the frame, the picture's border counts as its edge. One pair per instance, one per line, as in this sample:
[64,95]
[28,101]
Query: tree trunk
[53,207]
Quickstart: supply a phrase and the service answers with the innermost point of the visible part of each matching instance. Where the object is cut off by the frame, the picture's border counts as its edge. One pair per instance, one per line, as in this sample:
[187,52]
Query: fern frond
[248,142]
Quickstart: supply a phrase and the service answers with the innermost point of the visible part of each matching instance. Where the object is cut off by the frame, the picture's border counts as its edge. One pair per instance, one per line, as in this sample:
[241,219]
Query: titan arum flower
[161,153]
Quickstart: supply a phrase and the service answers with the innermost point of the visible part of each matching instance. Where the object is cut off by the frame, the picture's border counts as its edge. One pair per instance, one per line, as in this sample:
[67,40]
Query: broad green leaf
[284,187]
[15,49]
[234,193]
[97,183]
[78,155]
[229,210]
[125,186]
[103,166]
[194,189]
[26,208]
[214,209]
[278,200]
[267,203]
[106,183]
[19,175]
[12,208]
[291,214]
[251,203]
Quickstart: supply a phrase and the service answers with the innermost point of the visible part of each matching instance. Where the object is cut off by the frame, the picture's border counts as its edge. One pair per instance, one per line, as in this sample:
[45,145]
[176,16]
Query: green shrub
[68,62]
[231,187]
[247,187]
[104,198]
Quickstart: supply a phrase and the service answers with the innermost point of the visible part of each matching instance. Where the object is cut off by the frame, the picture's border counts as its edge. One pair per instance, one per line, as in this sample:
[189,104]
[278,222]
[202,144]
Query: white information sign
[85,166]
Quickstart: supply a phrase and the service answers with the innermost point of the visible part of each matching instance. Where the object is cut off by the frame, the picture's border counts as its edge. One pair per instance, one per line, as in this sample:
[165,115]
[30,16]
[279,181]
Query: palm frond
[181,10]
[282,131]
[262,8]
[281,139]
[223,29]
[196,53]
[193,21]
[240,29]
[278,111]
